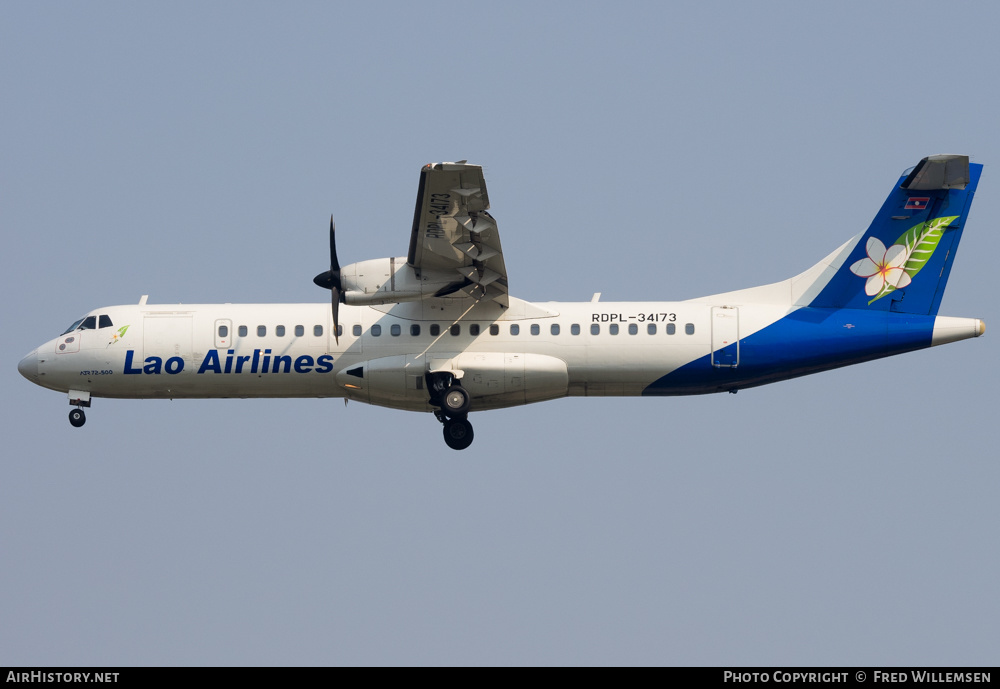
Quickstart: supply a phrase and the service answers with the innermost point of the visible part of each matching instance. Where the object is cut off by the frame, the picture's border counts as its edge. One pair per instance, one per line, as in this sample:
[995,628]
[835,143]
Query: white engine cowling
[390,280]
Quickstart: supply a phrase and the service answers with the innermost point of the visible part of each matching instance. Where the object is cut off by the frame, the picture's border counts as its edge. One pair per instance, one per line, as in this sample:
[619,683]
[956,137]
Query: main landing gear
[454,403]
[458,433]
[77,418]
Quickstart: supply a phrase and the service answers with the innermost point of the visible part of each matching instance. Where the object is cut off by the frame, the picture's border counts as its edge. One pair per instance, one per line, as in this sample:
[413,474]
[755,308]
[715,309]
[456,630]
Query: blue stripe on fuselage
[806,341]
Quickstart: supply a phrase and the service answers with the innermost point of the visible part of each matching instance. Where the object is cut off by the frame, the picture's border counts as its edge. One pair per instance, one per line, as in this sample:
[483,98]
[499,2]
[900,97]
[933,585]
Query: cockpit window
[89,323]
[76,324]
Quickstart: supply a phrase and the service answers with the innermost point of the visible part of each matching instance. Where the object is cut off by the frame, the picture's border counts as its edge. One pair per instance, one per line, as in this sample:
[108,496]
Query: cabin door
[725,336]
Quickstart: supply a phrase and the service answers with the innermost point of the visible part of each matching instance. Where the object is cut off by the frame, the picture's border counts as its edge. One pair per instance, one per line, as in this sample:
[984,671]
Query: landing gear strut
[454,402]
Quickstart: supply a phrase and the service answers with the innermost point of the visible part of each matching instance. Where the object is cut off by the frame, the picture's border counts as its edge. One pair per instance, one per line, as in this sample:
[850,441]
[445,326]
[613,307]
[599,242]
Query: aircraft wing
[454,234]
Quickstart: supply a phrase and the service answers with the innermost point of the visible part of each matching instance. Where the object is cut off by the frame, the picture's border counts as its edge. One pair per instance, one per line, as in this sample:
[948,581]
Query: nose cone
[28,366]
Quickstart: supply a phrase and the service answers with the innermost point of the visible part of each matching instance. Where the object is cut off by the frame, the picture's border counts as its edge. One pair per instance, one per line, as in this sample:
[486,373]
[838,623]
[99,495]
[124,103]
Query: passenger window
[474,329]
[494,329]
[318,330]
[633,329]
[395,330]
[671,328]
[595,329]
[376,330]
[356,331]
[689,328]
[223,331]
[279,330]
[535,329]
[456,329]
[554,329]
[435,329]
[105,322]
[242,331]
[574,329]
[261,330]
[613,328]
[89,323]
[340,330]
[515,329]
[300,330]
[415,330]
[651,328]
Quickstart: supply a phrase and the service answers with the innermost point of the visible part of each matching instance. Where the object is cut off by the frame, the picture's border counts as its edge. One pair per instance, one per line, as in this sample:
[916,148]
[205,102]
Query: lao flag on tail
[917,203]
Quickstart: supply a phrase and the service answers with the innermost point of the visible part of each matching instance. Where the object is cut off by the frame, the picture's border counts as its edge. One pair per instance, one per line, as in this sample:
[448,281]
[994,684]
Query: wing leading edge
[453,232]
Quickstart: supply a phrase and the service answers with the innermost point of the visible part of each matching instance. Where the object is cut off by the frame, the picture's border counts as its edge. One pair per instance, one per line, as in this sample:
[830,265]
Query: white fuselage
[525,353]
[529,353]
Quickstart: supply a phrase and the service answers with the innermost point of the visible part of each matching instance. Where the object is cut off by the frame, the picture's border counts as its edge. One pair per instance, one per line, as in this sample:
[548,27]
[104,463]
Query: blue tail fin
[902,262]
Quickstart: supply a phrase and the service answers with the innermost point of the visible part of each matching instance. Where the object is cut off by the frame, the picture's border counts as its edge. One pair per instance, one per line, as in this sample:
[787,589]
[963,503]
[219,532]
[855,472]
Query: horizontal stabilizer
[939,172]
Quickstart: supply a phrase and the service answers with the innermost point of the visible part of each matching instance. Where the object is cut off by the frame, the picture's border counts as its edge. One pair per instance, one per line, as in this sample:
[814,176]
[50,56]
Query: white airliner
[437,331]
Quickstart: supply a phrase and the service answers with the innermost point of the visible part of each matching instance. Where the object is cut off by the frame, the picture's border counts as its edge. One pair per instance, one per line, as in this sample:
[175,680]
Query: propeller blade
[330,279]
[335,305]
[334,263]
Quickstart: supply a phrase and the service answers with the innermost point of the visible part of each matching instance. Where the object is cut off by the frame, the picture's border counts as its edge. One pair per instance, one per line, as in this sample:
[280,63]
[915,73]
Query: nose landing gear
[79,400]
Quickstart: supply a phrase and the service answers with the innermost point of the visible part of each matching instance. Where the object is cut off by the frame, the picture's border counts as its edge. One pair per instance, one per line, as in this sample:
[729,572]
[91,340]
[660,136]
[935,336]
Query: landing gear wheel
[455,401]
[458,433]
[77,418]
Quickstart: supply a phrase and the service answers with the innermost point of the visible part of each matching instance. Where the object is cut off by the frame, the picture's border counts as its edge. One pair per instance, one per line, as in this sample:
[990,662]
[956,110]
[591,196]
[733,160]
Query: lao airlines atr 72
[437,331]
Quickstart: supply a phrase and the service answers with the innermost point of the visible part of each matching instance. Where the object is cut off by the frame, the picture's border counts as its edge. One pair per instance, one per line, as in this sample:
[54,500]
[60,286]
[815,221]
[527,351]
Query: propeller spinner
[330,279]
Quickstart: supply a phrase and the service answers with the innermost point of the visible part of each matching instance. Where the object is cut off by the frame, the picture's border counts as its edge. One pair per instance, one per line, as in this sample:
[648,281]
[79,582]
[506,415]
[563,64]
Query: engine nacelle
[493,379]
[391,280]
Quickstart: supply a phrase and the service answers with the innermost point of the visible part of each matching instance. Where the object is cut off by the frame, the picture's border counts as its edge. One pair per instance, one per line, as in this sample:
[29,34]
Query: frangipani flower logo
[887,270]
[882,267]
[118,335]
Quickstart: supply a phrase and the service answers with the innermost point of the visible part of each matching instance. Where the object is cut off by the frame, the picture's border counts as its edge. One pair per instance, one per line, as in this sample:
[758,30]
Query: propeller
[330,279]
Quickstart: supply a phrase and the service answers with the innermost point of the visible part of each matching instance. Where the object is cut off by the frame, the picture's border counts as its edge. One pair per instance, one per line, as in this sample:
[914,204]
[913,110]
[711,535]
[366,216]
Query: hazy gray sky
[194,152]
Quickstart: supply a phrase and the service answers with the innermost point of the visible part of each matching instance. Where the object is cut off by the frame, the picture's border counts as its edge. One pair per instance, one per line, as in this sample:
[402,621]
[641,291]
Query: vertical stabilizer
[902,262]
